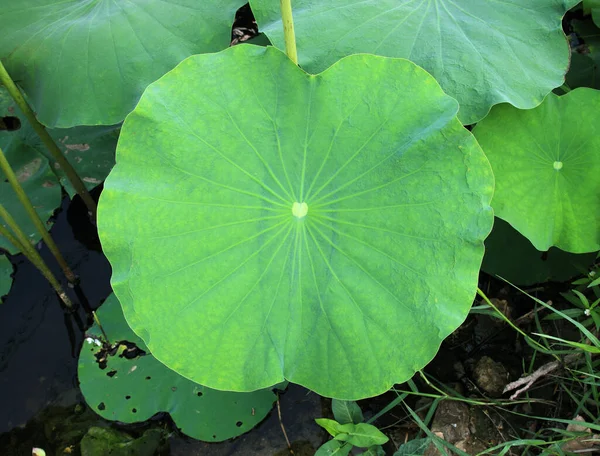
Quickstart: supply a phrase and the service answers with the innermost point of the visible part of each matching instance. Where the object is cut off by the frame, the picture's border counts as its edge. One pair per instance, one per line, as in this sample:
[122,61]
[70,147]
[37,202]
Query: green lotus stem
[288,30]
[13,240]
[22,243]
[35,218]
[97,320]
[565,88]
[77,183]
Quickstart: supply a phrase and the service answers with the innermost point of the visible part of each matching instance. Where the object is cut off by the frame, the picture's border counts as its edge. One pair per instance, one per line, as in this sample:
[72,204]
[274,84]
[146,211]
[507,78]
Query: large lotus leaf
[134,388]
[87,62]
[510,255]
[6,270]
[90,150]
[264,223]
[481,52]
[547,169]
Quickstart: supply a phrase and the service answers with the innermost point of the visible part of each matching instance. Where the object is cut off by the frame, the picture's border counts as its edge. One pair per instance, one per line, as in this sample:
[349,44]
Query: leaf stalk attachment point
[35,218]
[75,180]
[288,30]
[22,243]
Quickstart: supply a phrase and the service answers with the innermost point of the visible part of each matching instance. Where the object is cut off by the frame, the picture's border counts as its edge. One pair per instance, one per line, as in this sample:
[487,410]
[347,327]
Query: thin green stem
[13,240]
[565,88]
[22,243]
[288,30]
[61,160]
[534,343]
[35,218]
[97,320]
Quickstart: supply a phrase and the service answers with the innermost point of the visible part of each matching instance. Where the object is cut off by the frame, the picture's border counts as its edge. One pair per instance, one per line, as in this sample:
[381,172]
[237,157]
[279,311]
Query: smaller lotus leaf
[88,62]
[6,270]
[510,255]
[123,381]
[479,51]
[546,164]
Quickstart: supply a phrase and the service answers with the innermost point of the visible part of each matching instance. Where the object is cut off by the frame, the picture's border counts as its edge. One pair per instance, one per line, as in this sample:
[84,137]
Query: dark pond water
[40,402]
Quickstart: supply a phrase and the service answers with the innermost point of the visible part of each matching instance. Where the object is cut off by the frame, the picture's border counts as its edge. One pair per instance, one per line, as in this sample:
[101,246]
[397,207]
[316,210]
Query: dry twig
[282,427]
[528,380]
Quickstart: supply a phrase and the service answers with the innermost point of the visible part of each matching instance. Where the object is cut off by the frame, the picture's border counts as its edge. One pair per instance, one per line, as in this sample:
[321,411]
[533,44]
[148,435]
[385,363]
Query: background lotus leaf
[33,172]
[87,63]
[546,165]
[593,7]
[134,388]
[90,150]
[324,229]
[6,270]
[510,255]
[585,60]
[481,52]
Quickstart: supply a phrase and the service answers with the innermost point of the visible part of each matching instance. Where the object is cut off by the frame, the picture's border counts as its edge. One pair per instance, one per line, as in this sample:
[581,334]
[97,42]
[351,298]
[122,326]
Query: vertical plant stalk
[97,320]
[288,30]
[22,243]
[77,183]
[35,218]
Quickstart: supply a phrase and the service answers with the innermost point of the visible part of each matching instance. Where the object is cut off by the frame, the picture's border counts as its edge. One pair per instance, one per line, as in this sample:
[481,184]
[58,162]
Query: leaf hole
[173,388]
[239,424]
[111,373]
[133,410]
[199,393]
[131,351]
[101,406]
[148,378]
[10,123]
[127,397]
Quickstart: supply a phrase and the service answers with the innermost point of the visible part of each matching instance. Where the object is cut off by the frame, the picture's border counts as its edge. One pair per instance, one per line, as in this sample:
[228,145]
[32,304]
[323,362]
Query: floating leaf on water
[6,270]
[122,381]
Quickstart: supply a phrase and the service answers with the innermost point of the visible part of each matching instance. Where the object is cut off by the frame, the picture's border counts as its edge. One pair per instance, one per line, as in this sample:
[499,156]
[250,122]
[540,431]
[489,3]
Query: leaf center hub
[299,209]
[558,165]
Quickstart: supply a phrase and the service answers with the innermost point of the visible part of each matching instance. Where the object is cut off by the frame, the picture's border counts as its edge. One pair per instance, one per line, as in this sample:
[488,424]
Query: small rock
[490,376]
[465,427]
[452,419]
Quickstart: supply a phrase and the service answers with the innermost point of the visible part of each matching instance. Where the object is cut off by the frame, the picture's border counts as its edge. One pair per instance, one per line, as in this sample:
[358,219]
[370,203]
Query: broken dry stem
[524,383]
[77,183]
[283,427]
[20,241]
[35,218]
